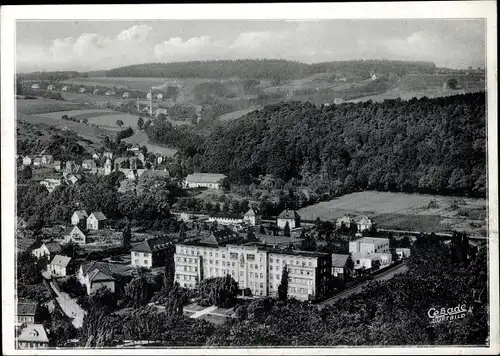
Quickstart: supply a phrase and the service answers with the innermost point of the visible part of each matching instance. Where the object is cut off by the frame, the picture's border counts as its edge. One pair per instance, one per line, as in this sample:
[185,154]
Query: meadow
[400,211]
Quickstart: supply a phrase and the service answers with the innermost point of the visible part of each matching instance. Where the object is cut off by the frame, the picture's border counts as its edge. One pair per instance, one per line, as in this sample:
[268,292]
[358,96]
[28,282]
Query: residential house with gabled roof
[73,178]
[288,216]
[50,87]
[150,253]
[64,88]
[60,266]
[88,164]
[364,223]
[35,86]
[95,275]
[108,154]
[206,180]
[339,265]
[345,221]
[32,336]
[47,159]
[252,217]
[27,312]
[79,217]
[76,234]
[126,94]
[48,249]
[96,221]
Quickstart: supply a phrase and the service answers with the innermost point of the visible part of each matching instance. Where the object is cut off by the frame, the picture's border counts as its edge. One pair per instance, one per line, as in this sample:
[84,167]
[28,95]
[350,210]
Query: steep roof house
[288,216]
[95,275]
[33,336]
[59,266]
[48,249]
[27,312]
[96,221]
[150,253]
[79,217]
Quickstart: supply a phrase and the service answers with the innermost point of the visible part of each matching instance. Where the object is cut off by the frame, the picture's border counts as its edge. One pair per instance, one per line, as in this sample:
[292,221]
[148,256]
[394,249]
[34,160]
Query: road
[70,307]
[355,290]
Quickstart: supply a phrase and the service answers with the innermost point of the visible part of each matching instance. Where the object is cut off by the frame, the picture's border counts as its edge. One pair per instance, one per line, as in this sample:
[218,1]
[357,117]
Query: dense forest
[277,69]
[426,145]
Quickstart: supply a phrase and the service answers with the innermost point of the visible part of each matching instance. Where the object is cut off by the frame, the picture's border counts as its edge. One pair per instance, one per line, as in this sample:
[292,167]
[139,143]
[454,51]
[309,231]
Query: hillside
[426,145]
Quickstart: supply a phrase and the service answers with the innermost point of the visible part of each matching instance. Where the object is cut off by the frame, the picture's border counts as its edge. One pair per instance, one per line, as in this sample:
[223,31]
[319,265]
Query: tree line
[425,145]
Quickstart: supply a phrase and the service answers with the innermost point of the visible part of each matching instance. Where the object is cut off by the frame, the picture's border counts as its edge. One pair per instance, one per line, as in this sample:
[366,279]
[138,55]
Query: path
[358,289]
[203,312]
[69,306]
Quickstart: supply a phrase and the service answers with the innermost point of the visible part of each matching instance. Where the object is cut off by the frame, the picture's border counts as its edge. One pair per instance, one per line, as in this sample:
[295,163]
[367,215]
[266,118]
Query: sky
[98,45]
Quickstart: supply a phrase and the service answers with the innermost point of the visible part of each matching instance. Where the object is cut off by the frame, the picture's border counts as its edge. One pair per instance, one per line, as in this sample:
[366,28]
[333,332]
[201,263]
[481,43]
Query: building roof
[371,239]
[26,308]
[33,333]
[120,160]
[53,247]
[97,271]
[339,260]
[80,228]
[364,218]
[88,161]
[150,245]
[226,216]
[99,216]
[205,177]
[250,212]
[81,214]
[346,217]
[60,260]
[288,214]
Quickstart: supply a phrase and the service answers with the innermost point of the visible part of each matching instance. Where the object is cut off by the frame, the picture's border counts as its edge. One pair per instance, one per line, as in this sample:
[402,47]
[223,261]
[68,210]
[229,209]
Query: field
[44,105]
[412,212]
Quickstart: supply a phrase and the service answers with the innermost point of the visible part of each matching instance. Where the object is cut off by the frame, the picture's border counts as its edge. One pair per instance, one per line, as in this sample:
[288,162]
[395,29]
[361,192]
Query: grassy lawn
[423,223]
[215,319]
[44,105]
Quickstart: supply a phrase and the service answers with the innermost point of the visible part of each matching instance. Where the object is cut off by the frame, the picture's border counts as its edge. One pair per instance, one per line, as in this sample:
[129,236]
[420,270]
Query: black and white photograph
[250,178]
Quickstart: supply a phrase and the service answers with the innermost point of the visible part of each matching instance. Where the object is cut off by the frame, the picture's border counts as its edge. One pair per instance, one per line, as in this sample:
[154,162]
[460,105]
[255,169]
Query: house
[288,216]
[48,249]
[252,217]
[160,111]
[79,217]
[72,178]
[150,253]
[339,265]
[59,266]
[108,154]
[369,245]
[372,261]
[64,88]
[76,234]
[96,221]
[35,86]
[374,77]
[82,90]
[50,87]
[226,218]
[26,161]
[32,336]
[364,223]
[71,168]
[95,275]
[27,312]
[206,180]
[159,159]
[57,165]
[95,156]
[51,183]
[21,223]
[159,96]
[37,162]
[126,94]
[403,253]
[108,167]
[134,148]
[47,159]
[88,164]
[345,221]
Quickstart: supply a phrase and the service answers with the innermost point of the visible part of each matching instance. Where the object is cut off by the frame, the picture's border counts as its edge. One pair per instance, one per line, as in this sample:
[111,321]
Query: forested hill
[427,145]
[278,69]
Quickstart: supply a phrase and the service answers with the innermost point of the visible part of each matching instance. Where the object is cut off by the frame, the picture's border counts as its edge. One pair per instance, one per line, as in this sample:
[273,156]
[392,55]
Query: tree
[286,230]
[85,121]
[139,292]
[61,329]
[262,230]
[308,243]
[140,123]
[127,236]
[119,123]
[26,173]
[452,83]
[283,286]
[219,291]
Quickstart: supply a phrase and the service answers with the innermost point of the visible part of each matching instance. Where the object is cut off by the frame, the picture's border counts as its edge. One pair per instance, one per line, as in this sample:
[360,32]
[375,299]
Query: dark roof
[53,247]
[205,177]
[218,238]
[99,216]
[226,215]
[26,308]
[150,245]
[339,260]
[289,214]
[99,270]
[81,214]
[150,173]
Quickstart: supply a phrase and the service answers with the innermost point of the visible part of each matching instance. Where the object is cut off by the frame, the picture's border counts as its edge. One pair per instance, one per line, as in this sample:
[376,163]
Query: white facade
[141,259]
[252,218]
[364,224]
[369,245]
[204,180]
[226,220]
[26,161]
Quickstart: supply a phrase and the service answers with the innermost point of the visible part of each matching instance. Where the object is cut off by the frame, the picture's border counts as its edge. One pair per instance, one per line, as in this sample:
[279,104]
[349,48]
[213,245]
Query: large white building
[366,250]
[254,266]
[205,180]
